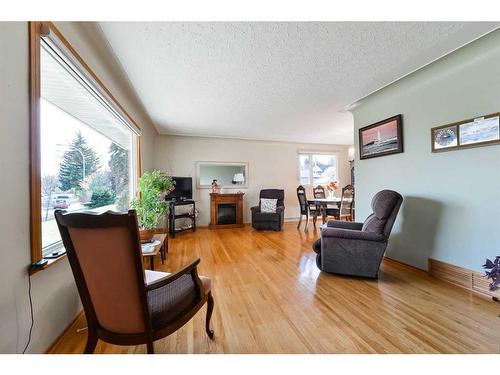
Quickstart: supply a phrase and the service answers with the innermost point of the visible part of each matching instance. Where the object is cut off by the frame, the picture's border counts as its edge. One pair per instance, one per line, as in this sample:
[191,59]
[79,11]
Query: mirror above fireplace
[228,174]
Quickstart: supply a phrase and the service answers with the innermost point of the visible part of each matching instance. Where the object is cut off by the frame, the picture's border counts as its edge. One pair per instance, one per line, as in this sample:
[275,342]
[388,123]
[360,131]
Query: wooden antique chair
[346,207]
[319,192]
[123,304]
[305,208]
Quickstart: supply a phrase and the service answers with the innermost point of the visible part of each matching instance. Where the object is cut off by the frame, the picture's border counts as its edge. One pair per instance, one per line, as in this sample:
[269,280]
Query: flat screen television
[183,189]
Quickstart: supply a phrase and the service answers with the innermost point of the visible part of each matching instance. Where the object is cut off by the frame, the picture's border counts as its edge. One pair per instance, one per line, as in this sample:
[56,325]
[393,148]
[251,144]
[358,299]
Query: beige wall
[271,165]
[55,298]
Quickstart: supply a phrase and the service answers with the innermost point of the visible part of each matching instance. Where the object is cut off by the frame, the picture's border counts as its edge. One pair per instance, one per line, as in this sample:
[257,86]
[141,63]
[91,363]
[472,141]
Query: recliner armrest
[344,224]
[255,209]
[352,234]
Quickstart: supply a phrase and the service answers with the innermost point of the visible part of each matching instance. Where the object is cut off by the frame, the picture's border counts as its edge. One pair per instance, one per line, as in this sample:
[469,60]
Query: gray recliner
[269,220]
[357,249]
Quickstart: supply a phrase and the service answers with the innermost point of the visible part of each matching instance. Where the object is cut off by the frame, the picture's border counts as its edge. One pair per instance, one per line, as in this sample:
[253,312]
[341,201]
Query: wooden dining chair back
[122,304]
[347,203]
[319,192]
[303,205]
[305,208]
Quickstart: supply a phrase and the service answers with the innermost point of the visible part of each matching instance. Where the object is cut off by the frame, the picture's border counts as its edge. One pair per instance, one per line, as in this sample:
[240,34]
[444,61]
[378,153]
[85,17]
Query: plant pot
[146,235]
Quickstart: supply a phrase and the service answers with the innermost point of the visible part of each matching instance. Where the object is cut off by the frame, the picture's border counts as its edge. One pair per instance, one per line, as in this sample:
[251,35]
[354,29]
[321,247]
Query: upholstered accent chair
[269,220]
[356,249]
[123,304]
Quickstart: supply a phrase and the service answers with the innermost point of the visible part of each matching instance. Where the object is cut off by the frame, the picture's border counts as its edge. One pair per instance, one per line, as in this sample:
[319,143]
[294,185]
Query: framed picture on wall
[482,131]
[444,138]
[382,138]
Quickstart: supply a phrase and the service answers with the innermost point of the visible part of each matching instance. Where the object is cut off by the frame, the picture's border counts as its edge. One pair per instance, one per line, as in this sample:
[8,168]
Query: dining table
[325,202]
[322,201]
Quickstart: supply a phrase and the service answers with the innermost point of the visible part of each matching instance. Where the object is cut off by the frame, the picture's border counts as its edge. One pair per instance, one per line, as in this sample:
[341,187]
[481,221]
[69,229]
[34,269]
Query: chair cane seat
[168,302]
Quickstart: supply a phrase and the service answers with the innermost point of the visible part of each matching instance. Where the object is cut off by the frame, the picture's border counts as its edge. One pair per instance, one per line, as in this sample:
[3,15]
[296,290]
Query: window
[84,146]
[317,169]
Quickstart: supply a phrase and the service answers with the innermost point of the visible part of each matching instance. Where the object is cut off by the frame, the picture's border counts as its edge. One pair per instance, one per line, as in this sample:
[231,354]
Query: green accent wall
[451,209]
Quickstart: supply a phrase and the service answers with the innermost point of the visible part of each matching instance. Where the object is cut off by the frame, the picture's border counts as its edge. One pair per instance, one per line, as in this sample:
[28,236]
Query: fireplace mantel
[220,202]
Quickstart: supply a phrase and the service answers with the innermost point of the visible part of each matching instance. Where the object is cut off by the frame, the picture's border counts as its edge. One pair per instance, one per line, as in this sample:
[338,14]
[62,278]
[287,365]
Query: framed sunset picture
[382,138]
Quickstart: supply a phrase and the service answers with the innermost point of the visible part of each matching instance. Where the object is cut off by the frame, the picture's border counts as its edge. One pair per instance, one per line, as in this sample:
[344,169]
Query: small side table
[161,248]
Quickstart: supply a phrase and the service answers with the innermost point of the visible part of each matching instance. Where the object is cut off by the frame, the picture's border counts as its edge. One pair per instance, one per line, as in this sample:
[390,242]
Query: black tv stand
[172,216]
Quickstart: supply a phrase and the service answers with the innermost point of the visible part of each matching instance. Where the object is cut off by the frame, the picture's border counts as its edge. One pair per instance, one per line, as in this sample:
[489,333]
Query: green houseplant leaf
[149,204]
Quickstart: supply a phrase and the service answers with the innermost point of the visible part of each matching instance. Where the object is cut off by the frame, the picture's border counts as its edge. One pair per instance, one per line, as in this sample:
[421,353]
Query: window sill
[32,269]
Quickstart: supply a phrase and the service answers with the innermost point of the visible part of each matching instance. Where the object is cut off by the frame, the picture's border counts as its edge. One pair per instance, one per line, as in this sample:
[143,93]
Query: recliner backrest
[278,194]
[385,206]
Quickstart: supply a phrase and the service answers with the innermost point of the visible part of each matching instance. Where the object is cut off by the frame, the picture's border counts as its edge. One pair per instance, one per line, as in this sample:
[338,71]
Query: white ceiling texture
[286,81]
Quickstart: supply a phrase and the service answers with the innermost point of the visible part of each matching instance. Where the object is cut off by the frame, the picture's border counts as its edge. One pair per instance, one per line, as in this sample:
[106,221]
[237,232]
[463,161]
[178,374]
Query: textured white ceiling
[288,81]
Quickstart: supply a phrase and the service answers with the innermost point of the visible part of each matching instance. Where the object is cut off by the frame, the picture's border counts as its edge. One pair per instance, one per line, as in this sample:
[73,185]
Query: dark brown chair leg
[300,221]
[151,349]
[91,341]
[210,309]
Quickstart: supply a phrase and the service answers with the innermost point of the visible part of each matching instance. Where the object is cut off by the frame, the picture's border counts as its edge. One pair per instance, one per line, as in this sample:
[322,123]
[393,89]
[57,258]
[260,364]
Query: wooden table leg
[152,263]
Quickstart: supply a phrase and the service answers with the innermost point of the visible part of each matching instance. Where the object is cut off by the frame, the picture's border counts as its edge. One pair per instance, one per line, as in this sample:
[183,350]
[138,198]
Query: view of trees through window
[81,170]
[317,169]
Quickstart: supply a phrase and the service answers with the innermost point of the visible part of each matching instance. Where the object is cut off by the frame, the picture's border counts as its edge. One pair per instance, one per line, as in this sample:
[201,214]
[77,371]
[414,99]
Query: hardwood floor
[271,298]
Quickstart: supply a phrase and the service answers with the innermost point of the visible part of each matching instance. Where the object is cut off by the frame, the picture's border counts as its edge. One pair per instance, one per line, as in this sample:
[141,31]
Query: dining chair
[324,209]
[346,206]
[319,192]
[123,304]
[306,209]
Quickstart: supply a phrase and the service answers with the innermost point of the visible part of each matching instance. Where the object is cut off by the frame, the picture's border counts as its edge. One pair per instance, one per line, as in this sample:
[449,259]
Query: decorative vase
[146,235]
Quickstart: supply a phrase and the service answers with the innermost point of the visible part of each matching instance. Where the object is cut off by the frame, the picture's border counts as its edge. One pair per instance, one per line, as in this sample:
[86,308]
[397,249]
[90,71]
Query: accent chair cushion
[268,205]
[151,277]
[266,217]
[373,224]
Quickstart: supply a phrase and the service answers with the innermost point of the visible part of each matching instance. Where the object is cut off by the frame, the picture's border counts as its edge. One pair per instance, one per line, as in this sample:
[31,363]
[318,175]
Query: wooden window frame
[311,155]
[36,31]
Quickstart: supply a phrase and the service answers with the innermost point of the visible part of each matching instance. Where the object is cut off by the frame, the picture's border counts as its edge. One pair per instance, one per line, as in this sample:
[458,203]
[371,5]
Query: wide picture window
[87,147]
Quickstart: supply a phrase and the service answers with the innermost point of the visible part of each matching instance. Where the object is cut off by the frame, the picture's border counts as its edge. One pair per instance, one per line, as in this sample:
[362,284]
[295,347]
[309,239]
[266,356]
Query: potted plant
[493,274]
[150,203]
